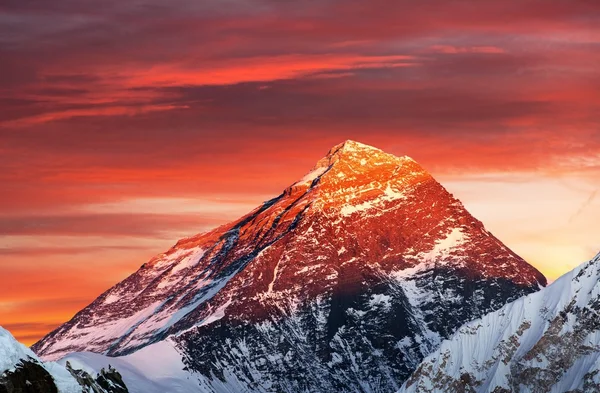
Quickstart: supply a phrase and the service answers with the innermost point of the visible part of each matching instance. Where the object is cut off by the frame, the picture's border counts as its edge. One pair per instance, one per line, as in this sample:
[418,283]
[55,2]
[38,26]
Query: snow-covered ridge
[158,368]
[548,341]
[13,352]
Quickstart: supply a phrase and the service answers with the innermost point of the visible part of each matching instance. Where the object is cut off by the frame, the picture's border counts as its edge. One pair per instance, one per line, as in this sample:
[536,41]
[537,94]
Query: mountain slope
[548,341]
[156,368]
[346,281]
[21,370]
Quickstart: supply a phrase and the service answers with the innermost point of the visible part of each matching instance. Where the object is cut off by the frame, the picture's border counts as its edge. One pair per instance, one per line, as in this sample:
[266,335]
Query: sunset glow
[125,128]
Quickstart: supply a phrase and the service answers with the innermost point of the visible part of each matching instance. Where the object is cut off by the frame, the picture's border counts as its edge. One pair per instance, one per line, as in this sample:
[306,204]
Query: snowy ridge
[13,353]
[158,296]
[344,281]
[157,368]
[548,341]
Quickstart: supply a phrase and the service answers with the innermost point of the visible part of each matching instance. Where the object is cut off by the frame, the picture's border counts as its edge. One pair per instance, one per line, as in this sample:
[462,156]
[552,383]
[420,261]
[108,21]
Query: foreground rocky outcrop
[21,371]
[27,376]
[345,281]
[107,381]
[545,342]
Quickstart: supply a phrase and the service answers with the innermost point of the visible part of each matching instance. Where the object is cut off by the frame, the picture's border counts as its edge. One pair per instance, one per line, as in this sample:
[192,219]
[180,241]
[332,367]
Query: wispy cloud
[584,205]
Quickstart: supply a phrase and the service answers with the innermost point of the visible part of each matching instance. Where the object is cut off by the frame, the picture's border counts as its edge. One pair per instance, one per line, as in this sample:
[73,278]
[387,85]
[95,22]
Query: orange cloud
[106,111]
[450,49]
[259,69]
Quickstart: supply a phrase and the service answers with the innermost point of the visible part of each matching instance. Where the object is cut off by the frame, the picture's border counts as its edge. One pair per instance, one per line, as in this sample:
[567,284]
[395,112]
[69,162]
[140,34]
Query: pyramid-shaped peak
[359,156]
[351,149]
[350,160]
[343,243]
[354,146]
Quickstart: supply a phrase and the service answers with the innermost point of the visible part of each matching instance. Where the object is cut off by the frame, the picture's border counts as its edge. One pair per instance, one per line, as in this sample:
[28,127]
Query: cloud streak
[584,205]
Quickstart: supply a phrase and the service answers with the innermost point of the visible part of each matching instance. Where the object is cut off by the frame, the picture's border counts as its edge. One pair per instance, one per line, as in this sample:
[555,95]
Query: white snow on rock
[380,300]
[312,175]
[548,341]
[440,253]
[13,352]
[387,195]
[443,247]
[157,368]
[154,317]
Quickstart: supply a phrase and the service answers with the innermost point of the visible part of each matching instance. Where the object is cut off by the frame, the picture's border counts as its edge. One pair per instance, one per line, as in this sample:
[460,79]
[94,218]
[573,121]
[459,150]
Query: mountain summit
[345,281]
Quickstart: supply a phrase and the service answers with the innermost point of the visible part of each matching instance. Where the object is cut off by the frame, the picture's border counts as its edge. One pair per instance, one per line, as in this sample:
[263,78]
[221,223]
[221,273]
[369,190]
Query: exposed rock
[108,381]
[28,376]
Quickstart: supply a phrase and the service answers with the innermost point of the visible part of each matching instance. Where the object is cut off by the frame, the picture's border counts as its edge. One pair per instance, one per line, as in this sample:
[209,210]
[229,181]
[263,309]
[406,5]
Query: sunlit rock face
[344,282]
[548,341]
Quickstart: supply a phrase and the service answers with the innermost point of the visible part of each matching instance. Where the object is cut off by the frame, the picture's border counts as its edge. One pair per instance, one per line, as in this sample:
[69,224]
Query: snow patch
[212,288]
[157,368]
[312,175]
[380,300]
[112,298]
[190,260]
[443,247]
[218,314]
[275,272]
[387,195]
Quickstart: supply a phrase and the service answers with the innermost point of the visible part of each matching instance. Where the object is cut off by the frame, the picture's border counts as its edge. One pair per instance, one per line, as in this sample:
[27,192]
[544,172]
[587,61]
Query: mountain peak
[355,151]
[368,245]
[353,146]
[350,160]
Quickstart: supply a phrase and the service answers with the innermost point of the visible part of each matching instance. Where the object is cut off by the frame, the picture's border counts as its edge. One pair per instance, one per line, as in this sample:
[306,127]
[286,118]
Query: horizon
[125,129]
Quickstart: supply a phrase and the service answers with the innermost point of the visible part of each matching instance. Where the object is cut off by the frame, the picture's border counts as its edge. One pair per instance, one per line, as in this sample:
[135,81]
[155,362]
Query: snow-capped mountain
[546,342]
[21,371]
[20,368]
[345,281]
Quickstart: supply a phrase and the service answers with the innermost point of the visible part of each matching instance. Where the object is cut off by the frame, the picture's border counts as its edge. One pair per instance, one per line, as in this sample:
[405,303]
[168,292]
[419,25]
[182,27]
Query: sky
[125,125]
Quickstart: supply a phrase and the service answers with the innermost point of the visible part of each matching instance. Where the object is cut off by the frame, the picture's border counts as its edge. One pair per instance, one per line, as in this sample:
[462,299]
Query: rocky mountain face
[27,376]
[344,282]
[107,380]
[21,371]
[545,342]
